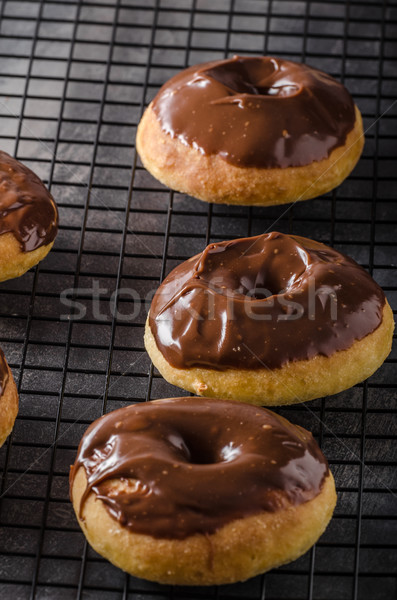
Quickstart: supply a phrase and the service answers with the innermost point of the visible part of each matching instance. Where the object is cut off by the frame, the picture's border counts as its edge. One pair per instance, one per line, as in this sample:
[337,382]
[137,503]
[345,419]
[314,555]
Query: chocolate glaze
[4,376]
[232,306]
[257,112]
[27,209]
[190,466]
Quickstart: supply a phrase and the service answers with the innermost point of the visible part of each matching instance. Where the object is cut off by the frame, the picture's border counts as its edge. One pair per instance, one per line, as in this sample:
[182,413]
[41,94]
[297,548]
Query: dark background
[74,78]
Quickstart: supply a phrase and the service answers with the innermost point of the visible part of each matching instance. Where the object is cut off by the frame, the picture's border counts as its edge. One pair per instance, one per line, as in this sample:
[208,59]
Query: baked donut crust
[295,382]
[239,550]
[15,262]
[212,179]
[8,407]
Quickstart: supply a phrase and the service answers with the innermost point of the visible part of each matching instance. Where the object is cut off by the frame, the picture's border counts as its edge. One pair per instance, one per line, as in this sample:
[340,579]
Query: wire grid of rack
[74,79]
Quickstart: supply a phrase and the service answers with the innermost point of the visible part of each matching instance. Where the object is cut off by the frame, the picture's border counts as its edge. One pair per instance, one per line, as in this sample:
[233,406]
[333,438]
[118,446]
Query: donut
[196,492]
[28,218]
[251,130]
[272,319]
[8,400]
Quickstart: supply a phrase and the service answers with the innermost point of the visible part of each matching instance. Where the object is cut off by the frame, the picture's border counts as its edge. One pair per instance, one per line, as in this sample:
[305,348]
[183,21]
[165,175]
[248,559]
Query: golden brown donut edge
[212,179]
[239,550]
[293,383]
[15,262]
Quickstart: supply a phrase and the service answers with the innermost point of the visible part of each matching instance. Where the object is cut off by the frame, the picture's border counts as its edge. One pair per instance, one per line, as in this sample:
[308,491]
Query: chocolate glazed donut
[28,218]
[257,130]
[28,226]
[174,490]
[272,319]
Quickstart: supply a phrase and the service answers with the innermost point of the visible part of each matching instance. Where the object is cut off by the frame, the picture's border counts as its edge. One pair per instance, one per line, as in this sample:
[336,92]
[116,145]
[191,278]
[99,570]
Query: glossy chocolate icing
[27,209]
[4,376]
[257,112]
[263,302]
[190,466]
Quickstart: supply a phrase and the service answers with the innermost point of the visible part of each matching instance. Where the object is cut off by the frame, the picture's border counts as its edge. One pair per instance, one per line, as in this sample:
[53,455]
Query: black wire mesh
[74,79]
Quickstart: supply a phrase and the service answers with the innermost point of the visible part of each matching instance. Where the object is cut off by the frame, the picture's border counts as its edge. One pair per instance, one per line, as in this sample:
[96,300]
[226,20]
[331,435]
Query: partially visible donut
[8,400]
[251,130]
[200,492]
[273,319]
[28,218]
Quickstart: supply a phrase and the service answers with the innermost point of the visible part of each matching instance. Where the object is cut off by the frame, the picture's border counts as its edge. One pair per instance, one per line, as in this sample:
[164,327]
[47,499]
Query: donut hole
[203,452]
[202,456]
[191,449]
[254,77]
[211,456]
[264,285]
[256,268]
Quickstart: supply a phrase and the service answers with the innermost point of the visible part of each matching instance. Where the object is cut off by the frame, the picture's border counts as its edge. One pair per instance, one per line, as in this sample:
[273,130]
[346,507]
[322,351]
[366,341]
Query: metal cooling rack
[75,77]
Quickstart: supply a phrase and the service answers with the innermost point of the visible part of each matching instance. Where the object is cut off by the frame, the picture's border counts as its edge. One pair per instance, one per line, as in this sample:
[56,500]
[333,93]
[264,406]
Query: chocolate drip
[257,112]
[262,302]
[3,373]
[186,466]
[27,209]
